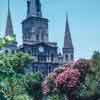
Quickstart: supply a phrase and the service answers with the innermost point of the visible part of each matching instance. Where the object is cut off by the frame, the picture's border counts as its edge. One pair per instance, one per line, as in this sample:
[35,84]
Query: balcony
[47,60]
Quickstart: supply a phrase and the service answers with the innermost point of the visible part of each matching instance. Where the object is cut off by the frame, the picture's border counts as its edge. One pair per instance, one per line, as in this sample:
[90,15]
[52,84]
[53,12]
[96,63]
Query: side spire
[9,27]
[34,8]
[67,37]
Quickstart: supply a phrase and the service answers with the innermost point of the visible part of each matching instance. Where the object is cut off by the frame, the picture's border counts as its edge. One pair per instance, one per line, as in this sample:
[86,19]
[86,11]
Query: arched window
[72,57]
[6,51]
[49,69]
[66,57]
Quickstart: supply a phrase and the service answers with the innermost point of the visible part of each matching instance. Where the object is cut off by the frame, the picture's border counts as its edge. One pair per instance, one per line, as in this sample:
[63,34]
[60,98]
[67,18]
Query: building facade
[36,41]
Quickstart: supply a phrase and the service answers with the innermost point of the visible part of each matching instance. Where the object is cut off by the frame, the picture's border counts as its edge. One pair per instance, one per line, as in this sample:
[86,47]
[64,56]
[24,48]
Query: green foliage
[17,87]
[96,55]
[33,85]
[2,97]
[21,61]
[7,40]
[54,97]
[11,77]
[14,62]
[11,86]
[22,97]
[91,86]
[14,83]
[57,97]
[36,76]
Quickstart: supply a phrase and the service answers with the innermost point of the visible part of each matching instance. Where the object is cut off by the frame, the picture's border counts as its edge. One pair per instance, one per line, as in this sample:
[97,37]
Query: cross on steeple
[9,27]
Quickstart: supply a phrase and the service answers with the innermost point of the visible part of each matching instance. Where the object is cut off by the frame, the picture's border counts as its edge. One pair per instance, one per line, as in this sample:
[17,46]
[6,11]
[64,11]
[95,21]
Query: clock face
[41,49]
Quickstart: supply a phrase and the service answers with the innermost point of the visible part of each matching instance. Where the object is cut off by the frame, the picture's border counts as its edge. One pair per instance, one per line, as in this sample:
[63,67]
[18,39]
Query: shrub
[22,97]
[33,85]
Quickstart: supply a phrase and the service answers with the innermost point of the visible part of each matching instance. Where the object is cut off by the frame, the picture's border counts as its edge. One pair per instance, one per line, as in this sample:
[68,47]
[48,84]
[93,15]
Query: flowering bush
[83,66]
[63,79]
[49,84]
[69,78]
[59,70]
[46,89]
[66,79]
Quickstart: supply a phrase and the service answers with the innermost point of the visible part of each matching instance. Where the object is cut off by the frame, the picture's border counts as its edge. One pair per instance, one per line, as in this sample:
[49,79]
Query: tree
[96,55]
[15,62]
[12,73]
[33,85]
[7,40]
[90,88]
[20,62]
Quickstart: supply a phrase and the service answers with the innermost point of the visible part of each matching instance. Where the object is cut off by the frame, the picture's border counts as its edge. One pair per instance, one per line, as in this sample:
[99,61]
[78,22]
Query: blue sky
[84,21]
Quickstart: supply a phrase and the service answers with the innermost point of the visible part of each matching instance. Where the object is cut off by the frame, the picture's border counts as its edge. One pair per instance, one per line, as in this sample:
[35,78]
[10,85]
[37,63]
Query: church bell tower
[34,27]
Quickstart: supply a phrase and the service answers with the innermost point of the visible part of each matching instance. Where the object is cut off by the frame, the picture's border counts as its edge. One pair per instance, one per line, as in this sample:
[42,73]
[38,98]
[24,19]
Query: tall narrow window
[71,56]
[35,69]
[37,37]
[42,37]
[49,69]
[52,57]
[66,57]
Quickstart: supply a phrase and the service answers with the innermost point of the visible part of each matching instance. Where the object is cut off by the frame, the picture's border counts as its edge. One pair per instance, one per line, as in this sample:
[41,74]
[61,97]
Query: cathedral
[35,40]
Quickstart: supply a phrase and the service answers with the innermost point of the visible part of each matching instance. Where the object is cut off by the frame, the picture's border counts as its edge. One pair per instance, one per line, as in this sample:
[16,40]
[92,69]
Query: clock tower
[35,39]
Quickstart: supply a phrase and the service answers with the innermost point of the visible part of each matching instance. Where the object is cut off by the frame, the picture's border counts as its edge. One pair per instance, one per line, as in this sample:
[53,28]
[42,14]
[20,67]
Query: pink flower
[69,78]
[45,88]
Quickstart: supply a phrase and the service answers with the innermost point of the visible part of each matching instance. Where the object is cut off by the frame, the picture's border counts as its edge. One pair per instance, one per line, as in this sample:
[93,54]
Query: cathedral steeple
[67,37]
[34,8]
[9,27]
[68,50]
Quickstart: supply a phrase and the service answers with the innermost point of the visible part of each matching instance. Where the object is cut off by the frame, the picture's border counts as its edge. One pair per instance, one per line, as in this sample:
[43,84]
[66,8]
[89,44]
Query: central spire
[9,27]
[34,8]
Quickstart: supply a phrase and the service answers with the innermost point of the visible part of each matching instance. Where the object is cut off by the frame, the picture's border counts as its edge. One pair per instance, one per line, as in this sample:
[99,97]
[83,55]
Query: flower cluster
[67,77]
[83,66]
[49,84]
[46,89]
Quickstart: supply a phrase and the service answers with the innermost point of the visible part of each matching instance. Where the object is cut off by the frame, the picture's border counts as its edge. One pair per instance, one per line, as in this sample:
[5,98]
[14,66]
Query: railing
[48,60]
